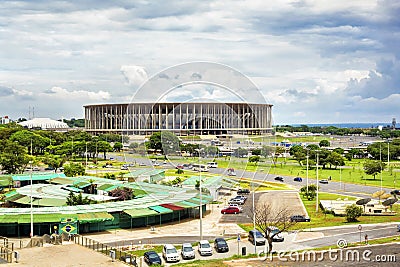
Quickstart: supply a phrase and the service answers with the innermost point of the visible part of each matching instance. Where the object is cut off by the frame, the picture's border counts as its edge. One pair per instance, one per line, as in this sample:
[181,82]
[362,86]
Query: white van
[212,164]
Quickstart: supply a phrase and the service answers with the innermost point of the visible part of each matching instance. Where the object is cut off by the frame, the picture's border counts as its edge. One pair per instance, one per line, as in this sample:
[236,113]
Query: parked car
[298,179]
[237,206]
[323,181]
[124,168]
[231,172]
[276,235]
[243,191]
[204,248]
[170,254]
[36,169]
[179,166]
[49,168]
[256,237]
[212,164]
[244,198]
[220,245]
[187,251]
[151,257]
[142,164]
[398,227]
[230,210]
[279,178]
[299,218]
[236,201]
[129,259]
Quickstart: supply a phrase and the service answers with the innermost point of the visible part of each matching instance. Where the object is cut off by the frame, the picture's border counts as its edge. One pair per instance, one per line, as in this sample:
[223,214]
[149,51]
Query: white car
[236,201]
[187,251]
[170,253]
[205,248]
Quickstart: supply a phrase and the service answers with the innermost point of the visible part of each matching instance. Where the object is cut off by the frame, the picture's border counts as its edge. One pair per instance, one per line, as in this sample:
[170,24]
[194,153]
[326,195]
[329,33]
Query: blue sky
[318,61]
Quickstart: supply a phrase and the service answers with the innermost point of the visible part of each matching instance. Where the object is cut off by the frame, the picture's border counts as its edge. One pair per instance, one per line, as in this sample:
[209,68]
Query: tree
[117,146]
[166,142]
[266,217]
[373,167]
[352,212]
[240,152]
[309,193]
[278,151]
[335,159]
[298,153]
[73,169]
[73,199]
[254,159]
[324,143]
[256,152]
[122,193]
[13,157]
[54,161]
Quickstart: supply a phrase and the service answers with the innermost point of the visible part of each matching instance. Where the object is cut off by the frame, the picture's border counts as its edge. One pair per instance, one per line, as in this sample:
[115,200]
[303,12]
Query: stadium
[181,118]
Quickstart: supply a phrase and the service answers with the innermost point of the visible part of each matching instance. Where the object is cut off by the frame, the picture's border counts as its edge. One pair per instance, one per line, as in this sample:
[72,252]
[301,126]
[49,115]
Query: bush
[353,212]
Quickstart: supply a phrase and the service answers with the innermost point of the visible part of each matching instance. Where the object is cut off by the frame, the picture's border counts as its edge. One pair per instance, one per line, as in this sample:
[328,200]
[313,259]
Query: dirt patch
[63,255]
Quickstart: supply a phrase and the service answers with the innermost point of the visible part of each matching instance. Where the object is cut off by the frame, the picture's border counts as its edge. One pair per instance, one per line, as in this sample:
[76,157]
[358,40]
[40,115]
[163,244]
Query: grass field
[321,219]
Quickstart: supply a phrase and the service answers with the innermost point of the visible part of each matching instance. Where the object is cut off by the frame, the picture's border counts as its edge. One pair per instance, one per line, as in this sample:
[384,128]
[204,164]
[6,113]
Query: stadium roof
[44,123]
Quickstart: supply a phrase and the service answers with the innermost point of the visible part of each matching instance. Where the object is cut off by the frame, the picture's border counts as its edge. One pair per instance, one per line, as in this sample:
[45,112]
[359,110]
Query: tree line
[20,147]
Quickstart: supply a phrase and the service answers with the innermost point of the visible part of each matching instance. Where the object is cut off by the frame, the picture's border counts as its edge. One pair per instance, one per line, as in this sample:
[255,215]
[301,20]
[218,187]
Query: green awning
[49,202]
[40,218]
[186,204]
[23,200]
[160,209]
[81,185]
[137,213]
[94,217]
[8,218]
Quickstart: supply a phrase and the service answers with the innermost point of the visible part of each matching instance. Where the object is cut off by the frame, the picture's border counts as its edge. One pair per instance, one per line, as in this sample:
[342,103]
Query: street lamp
[307,173]
[31,199]
[316,204]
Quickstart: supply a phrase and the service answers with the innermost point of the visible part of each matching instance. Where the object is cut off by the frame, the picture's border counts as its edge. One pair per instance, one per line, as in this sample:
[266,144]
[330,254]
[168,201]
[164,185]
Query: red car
[230,210]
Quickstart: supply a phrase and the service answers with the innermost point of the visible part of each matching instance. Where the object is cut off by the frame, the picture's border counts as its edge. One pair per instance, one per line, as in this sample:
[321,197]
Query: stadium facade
[181,118]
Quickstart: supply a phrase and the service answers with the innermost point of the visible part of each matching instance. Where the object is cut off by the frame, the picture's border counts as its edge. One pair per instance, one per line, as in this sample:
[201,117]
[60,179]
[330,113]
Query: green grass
[320,219]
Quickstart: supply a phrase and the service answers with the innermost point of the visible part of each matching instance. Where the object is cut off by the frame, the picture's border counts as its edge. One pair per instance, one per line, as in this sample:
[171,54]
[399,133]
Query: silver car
[187,251]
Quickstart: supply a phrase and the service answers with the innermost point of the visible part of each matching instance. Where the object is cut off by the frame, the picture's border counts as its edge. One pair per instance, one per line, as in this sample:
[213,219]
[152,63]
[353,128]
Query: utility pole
[316,204]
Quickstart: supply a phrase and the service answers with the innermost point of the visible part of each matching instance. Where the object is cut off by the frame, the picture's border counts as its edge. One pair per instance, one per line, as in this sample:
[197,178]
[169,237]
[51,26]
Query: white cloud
[134,75]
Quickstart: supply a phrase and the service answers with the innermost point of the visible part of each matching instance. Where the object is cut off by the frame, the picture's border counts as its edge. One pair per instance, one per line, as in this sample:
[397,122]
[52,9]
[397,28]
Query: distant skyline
[315,61]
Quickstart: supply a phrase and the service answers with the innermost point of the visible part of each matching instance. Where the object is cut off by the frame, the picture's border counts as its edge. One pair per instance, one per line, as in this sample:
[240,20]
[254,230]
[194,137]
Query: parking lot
[277,199]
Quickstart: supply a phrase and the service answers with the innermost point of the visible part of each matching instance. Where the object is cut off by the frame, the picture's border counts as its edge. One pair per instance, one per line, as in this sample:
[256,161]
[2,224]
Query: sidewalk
[189,227]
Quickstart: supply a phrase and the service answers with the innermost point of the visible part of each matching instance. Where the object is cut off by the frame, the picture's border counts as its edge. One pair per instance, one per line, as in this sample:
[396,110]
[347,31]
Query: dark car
[220,245]
[230,210]
[129,259]
[256,237]
[299,218]
[323,181]
[243,191]
[298,179]
[279,178]
[151,257]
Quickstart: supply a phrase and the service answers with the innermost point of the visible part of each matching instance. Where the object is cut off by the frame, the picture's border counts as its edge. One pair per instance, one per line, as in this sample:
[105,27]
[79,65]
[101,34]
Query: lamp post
[316,203]
[307,174]
[31,189]
[31,200]
[380,161]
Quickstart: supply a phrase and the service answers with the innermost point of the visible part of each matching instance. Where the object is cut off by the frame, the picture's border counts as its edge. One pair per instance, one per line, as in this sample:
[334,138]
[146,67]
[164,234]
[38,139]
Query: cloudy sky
[316,61]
